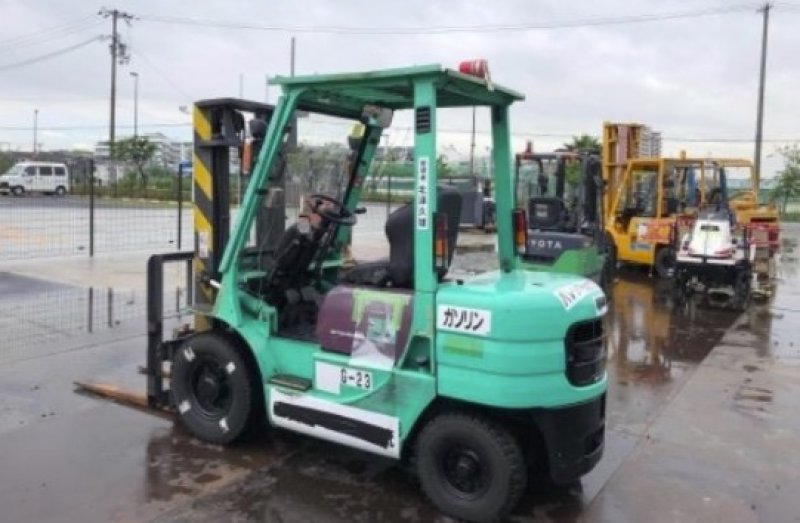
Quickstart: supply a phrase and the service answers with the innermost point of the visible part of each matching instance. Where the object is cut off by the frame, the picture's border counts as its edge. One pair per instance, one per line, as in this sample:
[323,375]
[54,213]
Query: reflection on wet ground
[651,338]
[653,346]
[96,461]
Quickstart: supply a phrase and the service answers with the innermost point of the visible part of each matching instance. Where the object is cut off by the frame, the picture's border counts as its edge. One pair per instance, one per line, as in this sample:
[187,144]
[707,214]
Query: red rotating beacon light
[478,68]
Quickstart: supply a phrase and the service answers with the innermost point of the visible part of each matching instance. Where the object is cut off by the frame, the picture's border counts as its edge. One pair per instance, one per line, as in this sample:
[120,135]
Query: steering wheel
[338,214]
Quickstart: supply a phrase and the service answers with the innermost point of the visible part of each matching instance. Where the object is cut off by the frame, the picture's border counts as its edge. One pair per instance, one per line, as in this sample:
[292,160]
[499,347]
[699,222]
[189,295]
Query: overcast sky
[688,77]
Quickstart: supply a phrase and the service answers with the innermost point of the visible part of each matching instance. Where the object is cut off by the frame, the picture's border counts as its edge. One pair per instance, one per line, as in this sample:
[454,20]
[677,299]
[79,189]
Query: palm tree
[583,142]
[787,186]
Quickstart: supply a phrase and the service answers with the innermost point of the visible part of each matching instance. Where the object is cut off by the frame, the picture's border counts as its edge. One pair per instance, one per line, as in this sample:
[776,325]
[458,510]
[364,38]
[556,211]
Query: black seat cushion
[293,256]
[375,273]
[546,213]
[398,270]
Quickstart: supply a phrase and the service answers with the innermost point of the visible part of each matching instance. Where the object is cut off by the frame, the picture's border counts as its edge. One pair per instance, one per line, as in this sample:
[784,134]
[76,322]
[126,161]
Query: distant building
[168,154]
[168,151]
[186,149]
[395,153]
[650,143]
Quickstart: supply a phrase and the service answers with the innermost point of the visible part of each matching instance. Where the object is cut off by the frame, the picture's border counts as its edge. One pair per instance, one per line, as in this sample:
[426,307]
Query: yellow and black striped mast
[203,197]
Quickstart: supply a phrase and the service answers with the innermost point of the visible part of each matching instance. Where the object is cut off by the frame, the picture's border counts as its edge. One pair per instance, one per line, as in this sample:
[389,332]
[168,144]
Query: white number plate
[359,379]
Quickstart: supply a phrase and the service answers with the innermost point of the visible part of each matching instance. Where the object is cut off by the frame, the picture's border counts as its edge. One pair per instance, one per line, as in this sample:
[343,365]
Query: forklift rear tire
[470,467]
[212,389]
[742,292]
[680,290]
[665,262]
[609,270]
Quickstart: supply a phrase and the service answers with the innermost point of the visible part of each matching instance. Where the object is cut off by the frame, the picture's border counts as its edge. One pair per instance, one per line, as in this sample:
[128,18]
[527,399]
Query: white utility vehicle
[32,176]
[716,258]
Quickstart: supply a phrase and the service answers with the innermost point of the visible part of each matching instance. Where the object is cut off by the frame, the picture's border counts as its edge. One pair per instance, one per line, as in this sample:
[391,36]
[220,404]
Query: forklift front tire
[665,262]
[211,388]
[470,467]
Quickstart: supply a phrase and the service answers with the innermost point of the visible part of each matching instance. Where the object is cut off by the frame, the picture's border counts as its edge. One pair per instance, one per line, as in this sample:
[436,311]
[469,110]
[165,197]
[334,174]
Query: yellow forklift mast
[651,202]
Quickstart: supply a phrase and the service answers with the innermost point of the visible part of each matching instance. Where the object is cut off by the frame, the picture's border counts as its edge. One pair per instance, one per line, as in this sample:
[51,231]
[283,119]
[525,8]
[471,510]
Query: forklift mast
[219,129]
[621,142]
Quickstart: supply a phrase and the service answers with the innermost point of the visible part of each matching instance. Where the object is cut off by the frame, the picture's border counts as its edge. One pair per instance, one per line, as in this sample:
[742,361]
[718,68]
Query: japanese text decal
[462,319]
[423,171]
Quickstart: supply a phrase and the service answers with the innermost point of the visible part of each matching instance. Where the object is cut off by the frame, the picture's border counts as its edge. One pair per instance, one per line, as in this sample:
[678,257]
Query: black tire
[212,389]
[611,253]
[680,292]
[742,290]
[60,190]
[665,262]
[18,191]
[470,468]
[609,271]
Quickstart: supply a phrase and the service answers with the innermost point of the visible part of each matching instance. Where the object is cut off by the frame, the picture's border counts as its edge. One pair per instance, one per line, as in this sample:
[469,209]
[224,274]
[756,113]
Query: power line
[35,36]
[88,127]
[52,54]
[45,39]
[163,75]
[518,134]
[318,121]
[574,23]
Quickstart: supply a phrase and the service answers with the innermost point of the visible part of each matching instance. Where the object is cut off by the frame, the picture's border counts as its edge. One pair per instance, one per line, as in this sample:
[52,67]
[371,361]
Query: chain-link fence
[112,206]
[95,218]
[36,324]
[103,219]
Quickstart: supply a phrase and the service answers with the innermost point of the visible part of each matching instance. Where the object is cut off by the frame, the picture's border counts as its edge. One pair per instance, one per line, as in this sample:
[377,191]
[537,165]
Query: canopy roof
[346,94]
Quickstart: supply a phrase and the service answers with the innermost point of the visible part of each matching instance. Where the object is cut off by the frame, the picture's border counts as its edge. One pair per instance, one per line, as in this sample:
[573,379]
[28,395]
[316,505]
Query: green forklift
[564,232]
[479,383]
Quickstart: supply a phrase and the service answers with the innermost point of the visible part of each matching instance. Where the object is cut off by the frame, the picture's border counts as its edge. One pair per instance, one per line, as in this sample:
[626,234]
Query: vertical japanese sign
[422,216]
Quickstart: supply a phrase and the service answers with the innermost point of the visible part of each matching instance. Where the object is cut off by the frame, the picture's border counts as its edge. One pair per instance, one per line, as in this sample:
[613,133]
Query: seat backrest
[449,202]
[546,213]
[400,233]
[293,255]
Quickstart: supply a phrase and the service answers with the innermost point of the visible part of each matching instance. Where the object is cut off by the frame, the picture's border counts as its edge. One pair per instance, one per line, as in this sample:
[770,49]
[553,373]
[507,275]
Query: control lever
[205,278]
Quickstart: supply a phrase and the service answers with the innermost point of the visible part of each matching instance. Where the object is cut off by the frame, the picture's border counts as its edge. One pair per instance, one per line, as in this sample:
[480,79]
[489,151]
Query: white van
[43,177]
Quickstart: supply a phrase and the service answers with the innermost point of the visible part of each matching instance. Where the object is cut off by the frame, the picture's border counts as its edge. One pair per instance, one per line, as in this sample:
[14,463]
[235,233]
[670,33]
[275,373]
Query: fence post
[189,283]
[180,203]
[389,194]
[90,318]
[110,307]
[91,208]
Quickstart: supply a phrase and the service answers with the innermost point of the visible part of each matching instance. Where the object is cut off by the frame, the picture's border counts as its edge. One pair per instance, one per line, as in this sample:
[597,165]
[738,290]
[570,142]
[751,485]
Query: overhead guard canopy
[346,94]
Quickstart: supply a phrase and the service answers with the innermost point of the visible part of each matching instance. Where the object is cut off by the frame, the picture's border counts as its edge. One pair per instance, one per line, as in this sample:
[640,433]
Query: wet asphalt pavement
[71,457]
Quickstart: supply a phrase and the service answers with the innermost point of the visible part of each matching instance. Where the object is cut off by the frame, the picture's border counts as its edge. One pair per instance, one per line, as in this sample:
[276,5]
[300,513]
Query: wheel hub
[464,471]
[208,388]
[211,388]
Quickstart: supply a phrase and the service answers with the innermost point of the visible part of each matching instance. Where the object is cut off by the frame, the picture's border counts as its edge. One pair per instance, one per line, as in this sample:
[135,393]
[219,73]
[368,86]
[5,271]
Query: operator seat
[293,255]
[398,270]
[547,214]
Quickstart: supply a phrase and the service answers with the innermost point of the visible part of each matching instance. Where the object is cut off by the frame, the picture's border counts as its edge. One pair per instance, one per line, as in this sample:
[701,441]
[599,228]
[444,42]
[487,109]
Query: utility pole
[135,76]
[472,146]
[761,82]
[119,53]
[291,60]
[241,85]
[35,128]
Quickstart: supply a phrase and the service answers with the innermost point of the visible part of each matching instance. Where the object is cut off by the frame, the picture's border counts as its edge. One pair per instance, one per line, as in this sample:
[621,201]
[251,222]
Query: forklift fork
[159,351]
